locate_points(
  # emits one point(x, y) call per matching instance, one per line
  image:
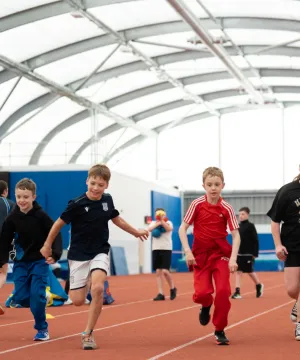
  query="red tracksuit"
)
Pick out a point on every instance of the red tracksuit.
point(212, 252)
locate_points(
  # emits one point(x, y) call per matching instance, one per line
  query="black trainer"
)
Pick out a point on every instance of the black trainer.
point(159, 297)
point(173, 293)
point(221, 338)
point(259, 290)
point(204, 315)
point(237, 294)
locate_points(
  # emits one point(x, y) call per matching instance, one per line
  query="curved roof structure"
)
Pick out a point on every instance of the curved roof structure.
point(75, 72)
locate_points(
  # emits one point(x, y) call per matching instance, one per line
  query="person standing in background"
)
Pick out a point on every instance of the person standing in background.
point(162, 247)
point(6, 206)
point(248, 251)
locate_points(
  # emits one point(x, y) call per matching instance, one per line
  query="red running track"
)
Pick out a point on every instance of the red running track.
point(135, 327)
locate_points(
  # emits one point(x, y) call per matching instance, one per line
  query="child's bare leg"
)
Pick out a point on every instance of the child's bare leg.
point(78, 296)
point(292, 277)
point(238, 279)
point(168, 277)
point(159, 279)
point(254, 278)
point(3, 275)
point(97, 290)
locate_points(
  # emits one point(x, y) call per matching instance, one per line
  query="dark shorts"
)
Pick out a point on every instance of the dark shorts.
point(245, 263)
point(161, 259)
point(293, 259)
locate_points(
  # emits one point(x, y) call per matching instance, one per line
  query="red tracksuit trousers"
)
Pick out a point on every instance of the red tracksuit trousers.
point(213, 266)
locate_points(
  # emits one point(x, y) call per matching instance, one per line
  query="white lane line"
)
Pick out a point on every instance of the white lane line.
point(99, 329)
point(111, 307)
point(211, 334)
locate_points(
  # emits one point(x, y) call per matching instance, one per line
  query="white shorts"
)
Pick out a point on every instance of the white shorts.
point(80, 271)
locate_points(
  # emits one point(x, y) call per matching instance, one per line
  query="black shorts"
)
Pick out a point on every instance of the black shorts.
point(161, 259)
point(245, 263)
point(292, 259)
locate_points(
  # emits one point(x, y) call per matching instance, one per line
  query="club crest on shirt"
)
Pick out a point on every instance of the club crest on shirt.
point(105, 206)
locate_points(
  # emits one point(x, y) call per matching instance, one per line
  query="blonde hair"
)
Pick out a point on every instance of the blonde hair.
point(212, 171)
point(26, 184)
point(100, 170)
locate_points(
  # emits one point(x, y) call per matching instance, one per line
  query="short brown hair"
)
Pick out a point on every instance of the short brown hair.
point(212, 171)
point(100, 170)
point(26, 184)
point(246, 209)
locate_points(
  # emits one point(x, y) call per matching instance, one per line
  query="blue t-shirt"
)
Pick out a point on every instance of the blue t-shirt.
point(89, 226)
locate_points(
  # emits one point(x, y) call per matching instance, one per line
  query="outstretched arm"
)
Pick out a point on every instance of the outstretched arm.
point(6, 239)
point(122, 224)
point(57, 244)
point(46, 250)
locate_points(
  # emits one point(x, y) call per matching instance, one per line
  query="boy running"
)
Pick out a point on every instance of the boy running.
point(89, 215)
point(28, 226)
point(211, 257)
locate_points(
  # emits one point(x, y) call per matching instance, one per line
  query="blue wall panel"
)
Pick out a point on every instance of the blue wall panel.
point(172, 205)
point(54, 190)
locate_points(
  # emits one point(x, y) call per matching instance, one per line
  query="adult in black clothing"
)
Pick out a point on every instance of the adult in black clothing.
point(285, 210)
point(6, 206)
point(248, 251)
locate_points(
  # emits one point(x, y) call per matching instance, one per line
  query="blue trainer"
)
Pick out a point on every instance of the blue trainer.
point(42, 335)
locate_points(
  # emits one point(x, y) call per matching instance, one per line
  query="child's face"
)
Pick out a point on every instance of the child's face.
point(213, 186)
point(243, 215)
point(24, 198)
point(96, 187)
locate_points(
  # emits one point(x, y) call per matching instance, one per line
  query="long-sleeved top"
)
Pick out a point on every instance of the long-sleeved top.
point(249, 239)
point(27, 232)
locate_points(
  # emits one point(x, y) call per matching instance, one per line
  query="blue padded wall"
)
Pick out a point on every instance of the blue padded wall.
point(54, 190)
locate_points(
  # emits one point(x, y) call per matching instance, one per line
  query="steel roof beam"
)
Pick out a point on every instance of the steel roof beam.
point(22, 70)
point(218, 50)
point(150, 63)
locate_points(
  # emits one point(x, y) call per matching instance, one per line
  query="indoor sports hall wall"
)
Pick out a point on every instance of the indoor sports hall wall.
point(132, 197)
